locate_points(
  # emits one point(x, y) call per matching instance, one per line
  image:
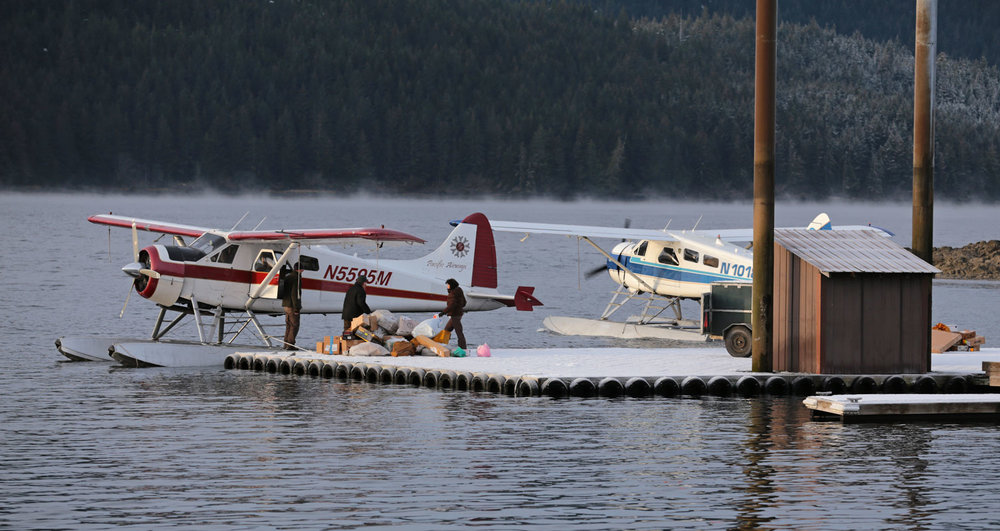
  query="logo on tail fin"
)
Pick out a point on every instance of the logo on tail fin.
point(460, 246)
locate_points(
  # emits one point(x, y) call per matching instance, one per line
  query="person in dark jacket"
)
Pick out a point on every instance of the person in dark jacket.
point(354, 302)
point(455, 310)
point(291, 301)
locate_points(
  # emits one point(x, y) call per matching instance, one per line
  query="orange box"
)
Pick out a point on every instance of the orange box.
point(403, 348)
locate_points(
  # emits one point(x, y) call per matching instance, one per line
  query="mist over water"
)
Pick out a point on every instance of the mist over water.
point(91, 445)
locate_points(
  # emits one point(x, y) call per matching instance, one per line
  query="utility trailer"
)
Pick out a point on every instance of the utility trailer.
point(726, 315)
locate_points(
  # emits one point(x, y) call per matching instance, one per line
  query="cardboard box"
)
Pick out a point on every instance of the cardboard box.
point(942, 341)
point(323, 347)
point(367, 335)
point(438, 348)
point(344, 345)
point(403, 348)
point(368, 321)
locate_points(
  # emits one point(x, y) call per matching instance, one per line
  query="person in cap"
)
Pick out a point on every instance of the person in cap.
point(455, 310)
point(354, 302)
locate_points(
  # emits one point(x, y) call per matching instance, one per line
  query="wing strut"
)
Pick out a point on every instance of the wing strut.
point(270, 274)
point(197, 319)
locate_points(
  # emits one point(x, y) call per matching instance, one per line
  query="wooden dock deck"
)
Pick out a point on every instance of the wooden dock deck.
point(862, 408)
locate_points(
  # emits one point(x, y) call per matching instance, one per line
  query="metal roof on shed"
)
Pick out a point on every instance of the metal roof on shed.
point(850, 251)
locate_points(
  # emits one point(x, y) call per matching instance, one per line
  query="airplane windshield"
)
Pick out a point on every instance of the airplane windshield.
point(207, 243)
point(226, 255)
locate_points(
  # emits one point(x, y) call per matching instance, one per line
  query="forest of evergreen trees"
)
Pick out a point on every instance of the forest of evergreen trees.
point(545, 98)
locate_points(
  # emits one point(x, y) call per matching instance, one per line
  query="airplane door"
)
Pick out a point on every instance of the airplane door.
point(261, 266)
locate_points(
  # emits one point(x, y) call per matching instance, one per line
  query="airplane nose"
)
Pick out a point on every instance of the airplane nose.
point(133, 269)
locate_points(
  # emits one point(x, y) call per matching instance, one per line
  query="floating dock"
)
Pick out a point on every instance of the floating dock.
point(609, 373)
point(861, 408)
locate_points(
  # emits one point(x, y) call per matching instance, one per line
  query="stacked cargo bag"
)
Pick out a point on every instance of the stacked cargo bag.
point(345, 343)
point(405, 326)
point(387, 321)
point(424, 351)
point(369, 349)
point(430, 327)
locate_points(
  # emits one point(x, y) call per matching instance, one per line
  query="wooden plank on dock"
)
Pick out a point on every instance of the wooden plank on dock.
point(942, 340)
point(992, 370)
point(904, 407)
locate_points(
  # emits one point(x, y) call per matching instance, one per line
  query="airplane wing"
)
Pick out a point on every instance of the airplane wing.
point(310, 236)
point(579, 230)
point(148, 225)
point(746, 235)
point(327, 236)
point(733, 235)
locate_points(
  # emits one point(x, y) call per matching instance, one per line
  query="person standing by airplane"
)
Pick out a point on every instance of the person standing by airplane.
point(291, 301)
point(455, 309)
point(354, 302)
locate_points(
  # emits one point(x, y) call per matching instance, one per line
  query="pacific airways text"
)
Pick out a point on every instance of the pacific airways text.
point(441, 264)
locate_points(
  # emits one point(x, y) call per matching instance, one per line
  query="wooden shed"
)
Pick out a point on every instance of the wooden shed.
point(849, 302)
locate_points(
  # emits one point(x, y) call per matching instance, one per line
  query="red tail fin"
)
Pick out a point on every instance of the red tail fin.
point(484, 268)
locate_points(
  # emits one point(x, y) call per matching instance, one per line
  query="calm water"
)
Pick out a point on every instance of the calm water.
point(89, 445)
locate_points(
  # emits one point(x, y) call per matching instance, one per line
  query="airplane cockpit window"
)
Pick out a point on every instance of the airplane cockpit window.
point(641, 250)
point(265, 261)
point(309, 263)
point(667, 256)
point(710, 261)
point(691, 256)
point(206, 243)
point(226, 255)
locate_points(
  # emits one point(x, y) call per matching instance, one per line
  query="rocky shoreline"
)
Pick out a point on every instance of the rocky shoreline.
point(976, 261)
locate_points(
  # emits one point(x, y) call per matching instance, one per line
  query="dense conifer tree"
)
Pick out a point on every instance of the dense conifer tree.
point(555, 98)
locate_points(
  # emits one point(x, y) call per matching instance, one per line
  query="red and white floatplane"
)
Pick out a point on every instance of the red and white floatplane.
point(225, 280)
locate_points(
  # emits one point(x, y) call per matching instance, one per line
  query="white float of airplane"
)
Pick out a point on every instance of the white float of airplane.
point(222, 274)
point(660, 268)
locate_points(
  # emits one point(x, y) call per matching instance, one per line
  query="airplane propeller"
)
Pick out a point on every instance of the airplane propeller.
point(600, 269)
point(139, 270)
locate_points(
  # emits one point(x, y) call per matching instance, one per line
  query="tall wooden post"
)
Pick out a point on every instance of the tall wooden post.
point(923, 129)
point(924, 53)
point(763, 186)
